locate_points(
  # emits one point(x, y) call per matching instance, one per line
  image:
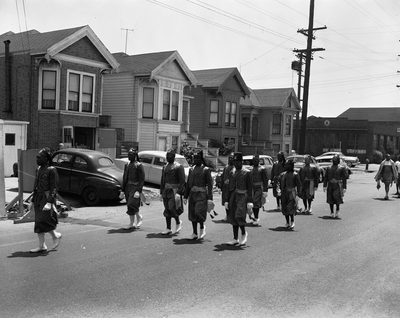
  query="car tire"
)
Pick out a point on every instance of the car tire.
point(90, 196)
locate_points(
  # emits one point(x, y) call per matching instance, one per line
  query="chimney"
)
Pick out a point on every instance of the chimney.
point(7, 70)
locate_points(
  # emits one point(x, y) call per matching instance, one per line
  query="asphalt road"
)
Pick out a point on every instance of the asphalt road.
point(324, 268)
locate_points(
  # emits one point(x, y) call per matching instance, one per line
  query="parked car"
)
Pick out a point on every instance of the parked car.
point(153, 161)
point(351, 161)
point(326, 161)
point(299, 163)
point(265, 161)
point(88, 173)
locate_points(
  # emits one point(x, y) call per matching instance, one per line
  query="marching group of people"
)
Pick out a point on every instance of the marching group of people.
point(243, 192)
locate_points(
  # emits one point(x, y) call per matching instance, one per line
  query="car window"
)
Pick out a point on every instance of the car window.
point(159, 161)
point(262, 161)
point(248, 162)
point(145, 158)
point(183, 162)
point(62, 159)
point(105, 162)
point(80, 163)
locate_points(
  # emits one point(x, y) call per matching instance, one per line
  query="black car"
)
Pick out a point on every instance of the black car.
point(88, 173)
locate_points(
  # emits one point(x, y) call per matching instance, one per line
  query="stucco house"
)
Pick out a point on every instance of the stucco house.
point(145, 99)
point(267, 120)
point(53, 81)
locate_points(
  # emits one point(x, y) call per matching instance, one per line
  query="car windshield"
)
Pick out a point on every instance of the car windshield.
point(297, 159)
point(105, 162)
point(183, 162)
point(248, 162)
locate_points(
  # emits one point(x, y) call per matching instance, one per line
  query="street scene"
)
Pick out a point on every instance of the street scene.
point(199, 158)
point(347, 267)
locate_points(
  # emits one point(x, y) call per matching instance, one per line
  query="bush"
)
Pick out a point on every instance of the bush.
point(377, 156)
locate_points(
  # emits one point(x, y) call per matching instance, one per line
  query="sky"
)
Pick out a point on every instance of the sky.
point(359, 66)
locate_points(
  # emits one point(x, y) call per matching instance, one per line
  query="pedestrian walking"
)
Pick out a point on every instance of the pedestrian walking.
point(171, 190)
point(397, 164)
point(225, 178)
point(277, 168)
point(290, 186)
point(198, 192)
point(309, 177)
point(259, 176)
point(335, 185)
point(43, 201)
point(387, 173)
point(132, 186)
point(240, 200)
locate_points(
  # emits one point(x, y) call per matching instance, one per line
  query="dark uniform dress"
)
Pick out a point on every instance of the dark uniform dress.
point(335, 181)
point(290, 185)
point(46, 184)
point(133, 180)
point(276, 171)
point(309, 181)
point(225, 176)
point(259, 176)
point(172, 183)
point(198, 191)
point(240, 193)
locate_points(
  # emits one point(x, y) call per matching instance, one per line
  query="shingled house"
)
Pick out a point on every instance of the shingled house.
point(53, 81)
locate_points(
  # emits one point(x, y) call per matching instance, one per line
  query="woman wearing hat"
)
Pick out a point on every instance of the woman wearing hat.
point(44, 196)
point(259, 176)
point(290, 185)
point(199, 192)
point(309, 181)
point(225, 177)
point(277, 169)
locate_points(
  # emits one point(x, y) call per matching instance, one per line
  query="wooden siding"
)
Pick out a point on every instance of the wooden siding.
point(173, 71)
point(118, 102)
point(233, 85)
point(198, 111)
point(147, 137)
point(168, 127)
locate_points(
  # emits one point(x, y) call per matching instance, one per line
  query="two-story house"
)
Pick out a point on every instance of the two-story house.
point(267, 118)
point(53, 81)
point(214, 110)
point(145, 99)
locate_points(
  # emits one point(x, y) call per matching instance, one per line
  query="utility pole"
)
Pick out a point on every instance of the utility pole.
point(308, 54)
point(126, 37)
point(298, 67)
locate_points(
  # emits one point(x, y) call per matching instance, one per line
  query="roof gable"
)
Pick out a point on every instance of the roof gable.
point(220, 78)
point(373, 113)
point(54, 42)
point(277, 97)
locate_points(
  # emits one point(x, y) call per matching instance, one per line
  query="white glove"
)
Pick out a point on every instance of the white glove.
point(136, 195)
point(324, 189)
point(184, 201)
point(265, 194)
point(249, 206)
point(226, 205)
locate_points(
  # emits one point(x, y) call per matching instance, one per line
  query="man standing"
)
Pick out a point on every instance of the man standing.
point(387, 173)
point(277, 169)
point(225, 177)
point(199, 192)
point(240, 200)
point(259, 176)
point(132, 186)
point(290, 185)
point(44, 197)
point(335, 185)
point(397, 164)
point(171, 190)
point(309, 183)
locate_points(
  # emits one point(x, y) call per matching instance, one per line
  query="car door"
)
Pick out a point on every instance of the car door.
point(63, 163)
point(156, 169)
point(79, 171)
point(147, 161)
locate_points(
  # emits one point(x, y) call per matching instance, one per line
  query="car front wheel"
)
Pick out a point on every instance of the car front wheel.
point(90, 196)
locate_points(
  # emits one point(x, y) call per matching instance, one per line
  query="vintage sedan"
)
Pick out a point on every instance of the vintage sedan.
point(153, 161)
point(326, 161)
point(88, 173)
point(299, 163)
point(350, 160)
point(265, 161)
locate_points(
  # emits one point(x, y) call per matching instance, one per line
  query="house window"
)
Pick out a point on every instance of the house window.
point(174, 140)
point(148, 102)
point(80, 92)
point(288, 125)
point(170, 105)
point(233, 114)
point(230, 114)
point(49, 79)
point(214, 110)
point(9, 140)
point(276, 124)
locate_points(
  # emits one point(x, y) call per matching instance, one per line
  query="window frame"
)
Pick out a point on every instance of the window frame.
point(148, 103)
point(81, 92)
point(215, 113)
point(56, 69)
point(276, 126)
point(288, 125)
point(170, 108)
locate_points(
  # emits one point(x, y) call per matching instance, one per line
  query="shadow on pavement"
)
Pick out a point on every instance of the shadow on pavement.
point(281, 229)
point(187, 241)
point(328, 217)
point(159, 235)
point(226, 247)
point(29, 254)
point(122, 231)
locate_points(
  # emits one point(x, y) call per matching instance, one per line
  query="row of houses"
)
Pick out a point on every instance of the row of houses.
point(69, 88)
